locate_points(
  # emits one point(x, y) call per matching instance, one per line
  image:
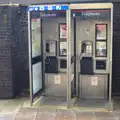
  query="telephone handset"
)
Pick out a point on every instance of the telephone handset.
point(83, 48)
point(47, 47)
point(50, 47)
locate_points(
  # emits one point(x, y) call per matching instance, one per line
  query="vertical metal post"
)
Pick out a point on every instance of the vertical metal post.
point(74, 38)
point(30, 61)
point(110, 61)
point(68, 21)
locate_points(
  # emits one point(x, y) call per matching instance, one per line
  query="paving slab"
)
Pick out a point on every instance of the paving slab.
point(106, 115)
point(46, 116)
point(7, 117)
point(59, 115)
point(51, 110)
point(10, 109)
point(109, 119)
point(26, 114)
point(86, 116)
point(62, 114)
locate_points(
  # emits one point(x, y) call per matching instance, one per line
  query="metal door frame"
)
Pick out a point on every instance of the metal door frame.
point(69, 68)
point(96, 6)
point(30, 61)
point(68, 23)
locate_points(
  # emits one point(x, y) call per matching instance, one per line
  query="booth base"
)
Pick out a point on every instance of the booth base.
point(93, 105)
point(51, 102)
point(54, 101)
point(77, 104)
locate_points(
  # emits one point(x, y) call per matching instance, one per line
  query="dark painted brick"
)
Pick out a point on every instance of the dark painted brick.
point(13, 52)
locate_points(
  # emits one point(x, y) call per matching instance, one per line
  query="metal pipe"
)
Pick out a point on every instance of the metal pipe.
point(110, 62)
point(30, 60)
point(68, 21)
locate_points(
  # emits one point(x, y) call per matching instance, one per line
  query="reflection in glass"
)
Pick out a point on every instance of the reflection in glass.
point(37, 77)
point(101, 49)
point(101, 32)
point(36, 42)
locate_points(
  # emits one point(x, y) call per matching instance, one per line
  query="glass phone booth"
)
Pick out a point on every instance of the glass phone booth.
point(93, 27)
point(70, 55)
point(48, 42)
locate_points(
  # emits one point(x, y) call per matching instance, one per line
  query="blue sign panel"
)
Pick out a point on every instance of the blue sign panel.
point(47, 7)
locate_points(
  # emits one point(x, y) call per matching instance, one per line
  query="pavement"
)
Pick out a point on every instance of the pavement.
point(18, 109)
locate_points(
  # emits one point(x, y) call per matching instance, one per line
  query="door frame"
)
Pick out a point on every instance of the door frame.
point(68, 19)
point(38, 93)
point(98, 6)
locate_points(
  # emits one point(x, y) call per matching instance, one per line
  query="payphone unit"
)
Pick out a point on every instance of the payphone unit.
point(51, 62)
point(87, 57)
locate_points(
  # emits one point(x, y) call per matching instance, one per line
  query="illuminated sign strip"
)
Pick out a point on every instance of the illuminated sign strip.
point(47, 7)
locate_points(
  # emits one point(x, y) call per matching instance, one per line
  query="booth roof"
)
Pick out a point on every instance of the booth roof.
point(50, 1)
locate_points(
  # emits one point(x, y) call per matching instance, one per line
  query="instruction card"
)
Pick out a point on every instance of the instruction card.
point(94, 81)
point(57, 79)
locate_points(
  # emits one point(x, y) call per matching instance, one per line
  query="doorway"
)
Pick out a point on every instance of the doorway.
point(48, 38)
point(92, 36)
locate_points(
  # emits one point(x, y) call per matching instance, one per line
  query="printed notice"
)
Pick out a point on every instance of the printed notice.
point(63, 48)
point(57, 79)
point(101, 49)
point(63, 32)
point(94, 81)
point(101, 31)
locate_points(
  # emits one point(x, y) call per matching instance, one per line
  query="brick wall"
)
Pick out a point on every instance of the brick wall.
point(13, 51)
point(116, 49)
point(20, 48)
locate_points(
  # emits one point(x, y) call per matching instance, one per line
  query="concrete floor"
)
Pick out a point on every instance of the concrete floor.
point(18, 109)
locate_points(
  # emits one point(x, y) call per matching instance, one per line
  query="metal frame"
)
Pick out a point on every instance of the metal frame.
point(110, 62)
point(69, 67)
point(68, 21)
point(30, 60)
point(99, 6)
